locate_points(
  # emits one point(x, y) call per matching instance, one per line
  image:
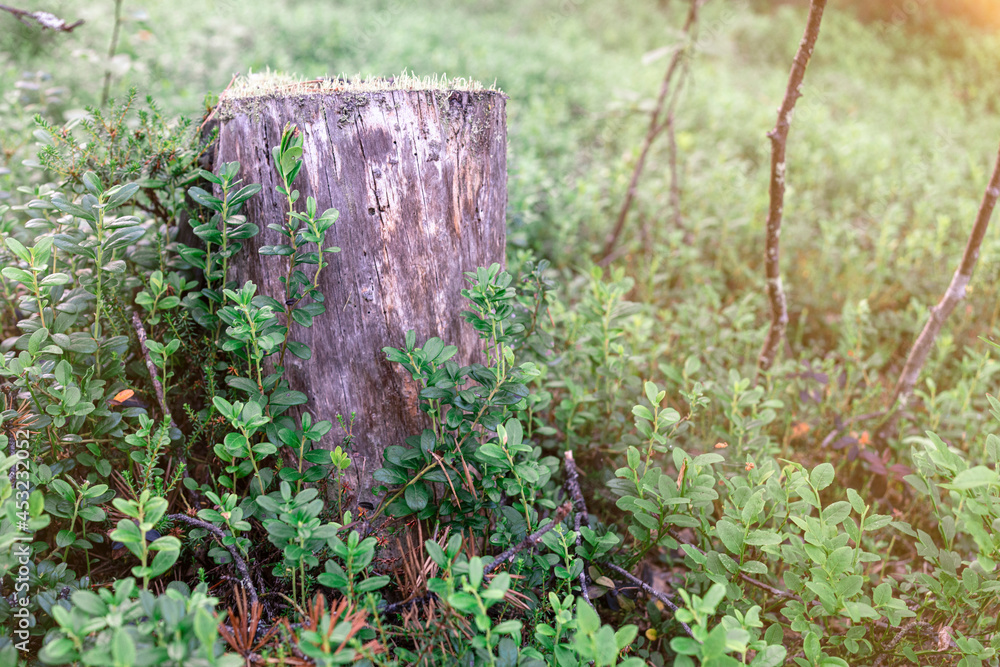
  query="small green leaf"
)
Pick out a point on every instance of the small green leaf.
point(300, 350)
point(642, 412)
point(730, 535)
point(120, 194)
point(973, 478)
point(759, 538)
point(18, 249)
point(417, 495)
point(14, 273)
point(822, 476)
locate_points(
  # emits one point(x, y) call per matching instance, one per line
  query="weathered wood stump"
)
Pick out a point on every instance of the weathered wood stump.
point(418, 173)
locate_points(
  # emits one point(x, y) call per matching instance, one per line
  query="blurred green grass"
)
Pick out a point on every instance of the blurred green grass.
point(888, 156)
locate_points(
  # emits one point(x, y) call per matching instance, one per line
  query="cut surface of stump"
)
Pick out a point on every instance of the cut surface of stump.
point(418, 173)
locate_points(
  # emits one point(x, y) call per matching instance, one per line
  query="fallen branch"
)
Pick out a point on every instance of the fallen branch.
point(406, 604)
point(530, 540)
point(154, 377)
point(112, 48)
point(659, 595)
point(237, 559)
point(777, 592)
point(45, 20)
point(580, 516)
point(939, 313)
point(656, 126)
point(926, 628)
point(779, 143)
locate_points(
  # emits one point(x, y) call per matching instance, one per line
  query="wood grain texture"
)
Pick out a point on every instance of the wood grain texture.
point(420, 180)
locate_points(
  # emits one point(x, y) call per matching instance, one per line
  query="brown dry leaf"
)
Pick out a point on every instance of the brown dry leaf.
point(680, 475)
point(944, 638)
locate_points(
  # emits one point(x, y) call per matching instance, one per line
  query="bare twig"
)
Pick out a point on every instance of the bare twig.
point(670, 125)
point(45, 20)
point(926, 628)
point(530, 540)
point(779, 142)
point(939, 313)
point(112, 48)
point(406, 604)
point(154, 377)
point(211, 115)
point(580, 516)
point(659, 595)
point(675, 179)
point(657, 124)
point(237, 558)
point(776, 592)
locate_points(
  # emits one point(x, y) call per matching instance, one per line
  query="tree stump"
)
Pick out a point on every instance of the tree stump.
point(418, 172)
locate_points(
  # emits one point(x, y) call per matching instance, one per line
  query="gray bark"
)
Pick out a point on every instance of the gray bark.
point(419, 178)
point(956, 292)
point(779, 144)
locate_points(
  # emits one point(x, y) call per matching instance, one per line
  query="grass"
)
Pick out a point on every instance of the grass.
point(887, 158)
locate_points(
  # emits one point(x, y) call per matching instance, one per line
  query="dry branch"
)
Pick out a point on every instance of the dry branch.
point(154, 377)
point(657, 124)
point(237, 559)
point(779, 143)
point(955, 293)
point(530, 540)
point(112, 48)
point(580, 516)
point(659, 595)
point(776, 592)
point(883, 653)
point(45, 20)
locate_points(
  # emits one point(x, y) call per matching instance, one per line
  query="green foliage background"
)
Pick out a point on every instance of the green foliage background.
point(639, 369)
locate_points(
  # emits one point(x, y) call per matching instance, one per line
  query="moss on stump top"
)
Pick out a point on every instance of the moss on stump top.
point(246, 93)
point(274, 84)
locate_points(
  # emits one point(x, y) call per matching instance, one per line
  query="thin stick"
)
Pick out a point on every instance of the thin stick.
point(675, 179)
point(776, 592)
point(580, 516)
point(670, 126)
point(779, 142)
point(659, 595)
point(955, 293)
point(211, 115)
point(656, 126)
point(112, 48)
point(237, 559)
point(909, 627)
point(154, 377)
point(530, 540)
point(406, 604)
point(45, 20)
